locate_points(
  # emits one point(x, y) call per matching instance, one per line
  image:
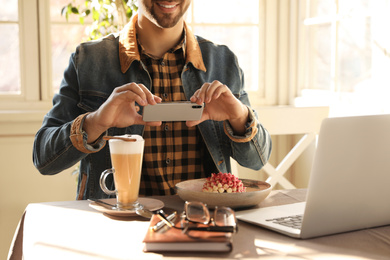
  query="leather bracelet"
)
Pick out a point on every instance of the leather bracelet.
point(78, 136)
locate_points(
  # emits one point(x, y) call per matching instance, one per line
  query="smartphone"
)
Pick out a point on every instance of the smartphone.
point(173, 111)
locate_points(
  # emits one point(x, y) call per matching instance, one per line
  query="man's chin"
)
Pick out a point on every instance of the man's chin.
point(167, 23)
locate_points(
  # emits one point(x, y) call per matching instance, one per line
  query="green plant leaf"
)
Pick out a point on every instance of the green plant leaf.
point(95, 14)
point(104, 15)
point(75, 10)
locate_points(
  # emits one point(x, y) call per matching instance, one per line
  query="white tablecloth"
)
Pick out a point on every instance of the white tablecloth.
point(73, 230)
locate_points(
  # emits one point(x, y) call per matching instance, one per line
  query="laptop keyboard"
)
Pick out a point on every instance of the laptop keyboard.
point(290, 221)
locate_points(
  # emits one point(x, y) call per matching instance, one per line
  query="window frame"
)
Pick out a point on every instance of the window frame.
point(29, 60)
point(306, 21)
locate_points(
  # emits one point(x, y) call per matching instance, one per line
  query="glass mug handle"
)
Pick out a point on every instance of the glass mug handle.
point(103, 182)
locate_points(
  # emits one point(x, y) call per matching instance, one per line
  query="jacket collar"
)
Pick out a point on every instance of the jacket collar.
point(129, 51)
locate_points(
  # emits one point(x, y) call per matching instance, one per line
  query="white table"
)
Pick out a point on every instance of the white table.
point(73, 230)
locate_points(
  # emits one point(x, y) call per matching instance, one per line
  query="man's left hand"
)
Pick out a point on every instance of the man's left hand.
point(220, 105)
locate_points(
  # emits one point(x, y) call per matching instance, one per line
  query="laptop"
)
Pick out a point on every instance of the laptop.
point(349, 186)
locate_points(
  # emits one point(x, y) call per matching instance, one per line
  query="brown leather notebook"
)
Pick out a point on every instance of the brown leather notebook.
point(172, 239)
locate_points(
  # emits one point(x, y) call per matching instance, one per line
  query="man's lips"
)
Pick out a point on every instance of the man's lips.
point(167, 6)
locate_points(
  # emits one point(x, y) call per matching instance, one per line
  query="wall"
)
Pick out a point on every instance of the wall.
point(20, 182)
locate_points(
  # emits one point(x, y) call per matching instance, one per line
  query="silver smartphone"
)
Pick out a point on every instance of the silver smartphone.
point(173, 111)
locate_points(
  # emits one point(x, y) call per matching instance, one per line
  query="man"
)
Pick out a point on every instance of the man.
point(154, 59)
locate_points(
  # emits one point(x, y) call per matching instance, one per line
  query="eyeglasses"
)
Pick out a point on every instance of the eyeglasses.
point(223, 220)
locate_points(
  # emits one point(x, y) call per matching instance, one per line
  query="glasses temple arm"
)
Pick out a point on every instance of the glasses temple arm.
point(215, 228)
point(163, 218)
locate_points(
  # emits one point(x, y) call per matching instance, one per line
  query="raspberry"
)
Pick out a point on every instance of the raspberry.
point(223, 182)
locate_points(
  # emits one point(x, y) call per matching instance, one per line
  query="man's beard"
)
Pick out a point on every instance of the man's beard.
point(166, 20)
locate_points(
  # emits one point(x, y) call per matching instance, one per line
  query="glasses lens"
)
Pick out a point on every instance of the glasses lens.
point(197, 212)
point(224, 216)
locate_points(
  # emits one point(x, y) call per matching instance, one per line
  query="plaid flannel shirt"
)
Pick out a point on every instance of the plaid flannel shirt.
point(173, 150)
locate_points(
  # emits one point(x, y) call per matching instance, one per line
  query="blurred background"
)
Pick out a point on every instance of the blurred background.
point(297, 55)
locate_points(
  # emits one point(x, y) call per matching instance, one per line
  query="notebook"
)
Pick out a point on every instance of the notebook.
point(349, 186)
point(174, 240)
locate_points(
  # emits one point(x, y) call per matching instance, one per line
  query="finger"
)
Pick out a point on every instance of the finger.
point(201, 93)
point(132, 92)
point(157, 99)
point(150, 98)
point(197, 122)
point(133, 87)
point(219, 91)
point(214, 91)
point(195, 98)
point(139, 93)
point(193, 123)
point(157, 123)
point(138, 120)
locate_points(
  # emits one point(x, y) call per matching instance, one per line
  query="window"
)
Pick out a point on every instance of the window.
point(239, 28)
point(307, 52)
point(346, 61)
point(64, 38)
point(19, 89)
point(239, 32)
point(38, 64)
point(35, 50)
point(9, 48)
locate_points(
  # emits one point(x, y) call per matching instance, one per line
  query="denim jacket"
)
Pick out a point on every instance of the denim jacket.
point(94, 71)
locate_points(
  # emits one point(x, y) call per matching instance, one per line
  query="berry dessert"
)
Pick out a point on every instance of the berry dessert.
point(223, 183)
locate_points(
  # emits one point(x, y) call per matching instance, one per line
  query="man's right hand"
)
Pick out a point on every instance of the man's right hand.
point(120, 110)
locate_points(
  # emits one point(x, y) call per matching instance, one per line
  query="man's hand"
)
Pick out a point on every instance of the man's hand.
point(120, 110)
point(220, 104)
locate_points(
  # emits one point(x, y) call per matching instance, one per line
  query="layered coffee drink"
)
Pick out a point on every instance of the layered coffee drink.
point(126, 157)
point(127, 168)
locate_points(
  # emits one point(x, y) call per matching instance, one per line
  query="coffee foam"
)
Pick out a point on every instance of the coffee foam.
point(124, 147)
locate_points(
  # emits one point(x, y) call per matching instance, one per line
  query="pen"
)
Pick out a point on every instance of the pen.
point(161, 223)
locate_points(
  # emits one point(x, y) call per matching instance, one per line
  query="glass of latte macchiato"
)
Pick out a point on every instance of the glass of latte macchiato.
point(126, 158)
